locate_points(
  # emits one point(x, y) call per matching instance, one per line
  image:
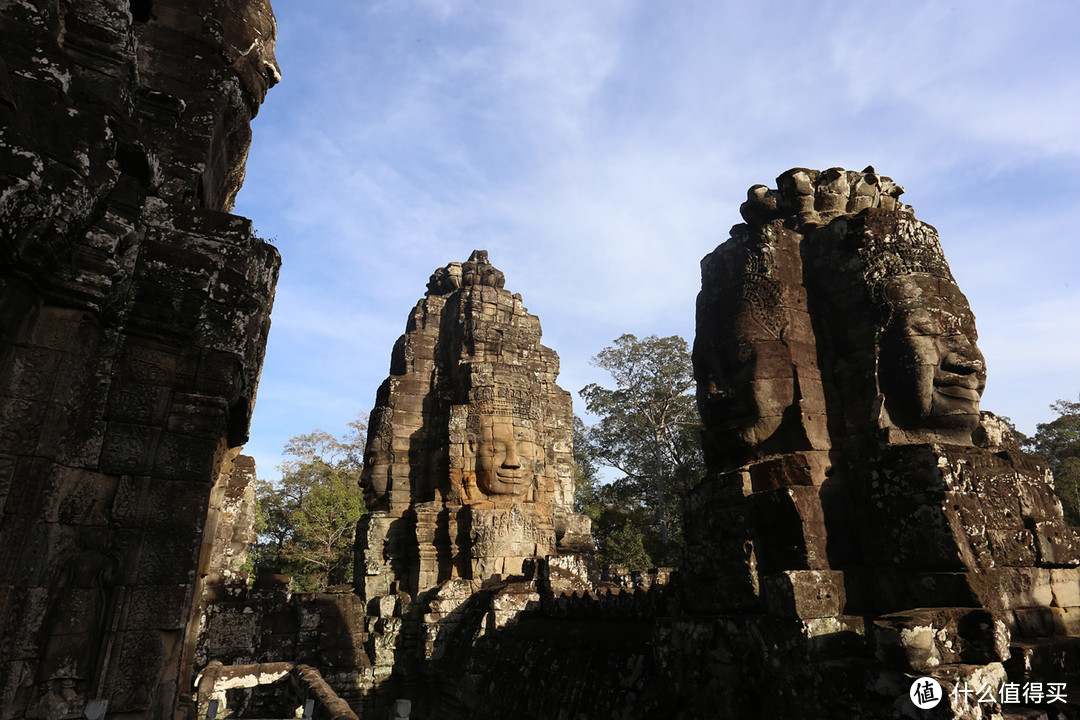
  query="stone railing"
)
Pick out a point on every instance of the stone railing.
point(309, 688)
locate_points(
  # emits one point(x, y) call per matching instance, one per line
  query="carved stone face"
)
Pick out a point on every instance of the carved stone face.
point(929, 368)
point(506, 455)
point(743, 394)
point(743, 359)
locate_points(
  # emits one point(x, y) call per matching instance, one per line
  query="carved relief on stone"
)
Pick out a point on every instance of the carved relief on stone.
point(928, 373)
point(832, 257)
point(930, 370)
point(503, 452)
point(134, 312)
point(75, 626)
point(469, 422)
point(755, 353)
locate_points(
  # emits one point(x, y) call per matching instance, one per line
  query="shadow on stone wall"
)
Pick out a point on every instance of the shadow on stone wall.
point(133, 319)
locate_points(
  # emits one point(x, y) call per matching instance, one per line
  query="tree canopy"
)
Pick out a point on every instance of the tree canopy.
point(307, 520)
point(1059, 442)
point(648, 430)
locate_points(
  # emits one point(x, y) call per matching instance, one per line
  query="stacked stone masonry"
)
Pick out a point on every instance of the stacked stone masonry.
point(134, 311)
point(861, 515)
point(468, 480)
point(469, 386)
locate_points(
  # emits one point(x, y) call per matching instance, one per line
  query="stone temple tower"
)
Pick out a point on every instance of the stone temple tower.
point(860, 512)
point(469, 468)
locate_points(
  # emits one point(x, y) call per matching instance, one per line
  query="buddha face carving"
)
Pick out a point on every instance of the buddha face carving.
point(930, 370)
point(735, 395)
point(505, 455)
point(503, 450)
point(750, 345)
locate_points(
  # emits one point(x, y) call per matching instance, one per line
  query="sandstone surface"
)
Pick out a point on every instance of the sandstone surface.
point(863, 522)
point(134, 311)
point(468, 481)
point(469, 468)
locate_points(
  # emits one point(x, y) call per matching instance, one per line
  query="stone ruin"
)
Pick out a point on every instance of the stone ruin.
point(469, 467)
point(468, 479)
point(862, 522)
point(134, 311)
point(468, 473)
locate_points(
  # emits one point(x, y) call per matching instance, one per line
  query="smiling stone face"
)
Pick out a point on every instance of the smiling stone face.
point(830, 315)
point(930, 369)
point(506, 455)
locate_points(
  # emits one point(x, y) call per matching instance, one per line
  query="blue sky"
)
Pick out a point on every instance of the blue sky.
point(599, 149)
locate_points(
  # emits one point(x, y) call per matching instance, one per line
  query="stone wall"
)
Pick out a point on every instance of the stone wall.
point(133, 318)
point(545, 649)
point(230, 530)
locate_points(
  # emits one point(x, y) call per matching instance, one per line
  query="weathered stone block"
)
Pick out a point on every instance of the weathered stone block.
point(136, 665)
point(1065, 585)
point(804, 594)
point(1034, 622)
point(182, 457)
point(32, 372)
point(81, 446)
point(916, 533)
point(1010, 588)
point(926, 638)
point(21, 423)
point(1066, 621)
point(230, 633)
point(781, 472)
point(128, 449)
point(138, 403)
point(1057, 543)
point(160, 606)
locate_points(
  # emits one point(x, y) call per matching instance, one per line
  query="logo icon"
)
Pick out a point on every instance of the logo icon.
point(925, 693)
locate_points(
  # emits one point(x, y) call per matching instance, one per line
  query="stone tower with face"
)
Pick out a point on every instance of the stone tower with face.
point(830, 315)
point(469, 465)
point(854, 486)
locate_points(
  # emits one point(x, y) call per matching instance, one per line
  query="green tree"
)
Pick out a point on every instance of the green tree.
point(649, 431)
point(1059, 442)
point(625, 546)
point(617, 520)
point(306, 521)
point(625, 530)
point(586, 474)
